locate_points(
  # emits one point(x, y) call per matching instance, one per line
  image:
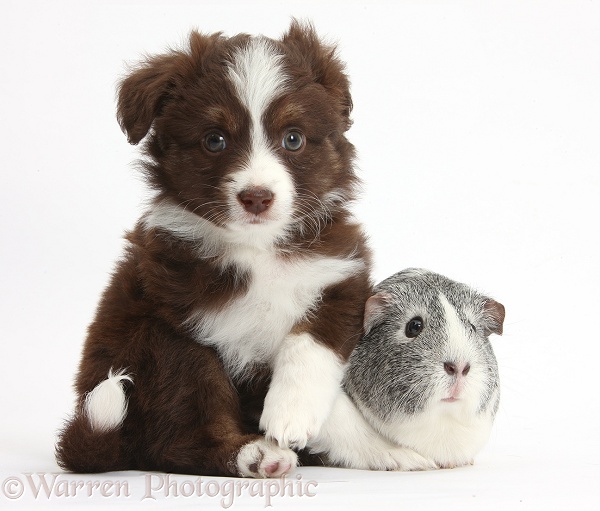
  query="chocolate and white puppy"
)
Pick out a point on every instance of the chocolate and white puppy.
point(246, 263)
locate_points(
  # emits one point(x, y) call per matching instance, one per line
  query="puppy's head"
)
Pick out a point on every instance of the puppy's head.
point(245, 132)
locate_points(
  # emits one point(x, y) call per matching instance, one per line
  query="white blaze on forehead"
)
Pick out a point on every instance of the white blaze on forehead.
point(257, 74)
point(458, 348)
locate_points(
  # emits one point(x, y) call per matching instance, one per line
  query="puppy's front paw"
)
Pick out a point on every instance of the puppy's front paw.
point(305, 383)
point(291, 423)
point(263, 458)
point(403, 458)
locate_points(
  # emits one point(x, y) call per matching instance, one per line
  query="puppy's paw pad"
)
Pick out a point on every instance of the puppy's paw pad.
point(278, 469)
point(263, 458)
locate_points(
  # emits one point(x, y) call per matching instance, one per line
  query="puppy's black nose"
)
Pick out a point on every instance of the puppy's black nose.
point(256, 200)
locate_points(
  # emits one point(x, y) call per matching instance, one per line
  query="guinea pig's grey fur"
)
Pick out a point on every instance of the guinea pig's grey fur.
point(424, 378)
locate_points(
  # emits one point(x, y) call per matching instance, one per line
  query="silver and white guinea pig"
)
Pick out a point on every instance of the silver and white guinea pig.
point(422, 386)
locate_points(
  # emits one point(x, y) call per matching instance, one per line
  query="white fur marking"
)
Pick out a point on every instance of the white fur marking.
point(450, 434)
point(263, 170)
point(281, 292)
point(462, 351)
point(106, 405)
point(459, 349)
point(350, 441)
point(211, 240)
point(306, 379)
point(257, 74)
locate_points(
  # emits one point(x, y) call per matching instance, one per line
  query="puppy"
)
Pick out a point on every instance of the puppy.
point(246, 272)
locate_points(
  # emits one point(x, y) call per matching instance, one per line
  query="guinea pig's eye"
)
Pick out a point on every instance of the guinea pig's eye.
point(293, 141)
point(215, 142)
point(414, 327)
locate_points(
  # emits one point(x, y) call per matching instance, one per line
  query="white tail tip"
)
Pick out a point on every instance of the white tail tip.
point(106, 405)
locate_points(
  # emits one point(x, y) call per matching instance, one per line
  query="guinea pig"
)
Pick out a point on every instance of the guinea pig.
point(422, 388)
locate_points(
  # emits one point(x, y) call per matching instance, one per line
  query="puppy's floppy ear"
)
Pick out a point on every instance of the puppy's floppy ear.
point(375, 310)
point(142, 94)
point(327, 68)
point(493, 315)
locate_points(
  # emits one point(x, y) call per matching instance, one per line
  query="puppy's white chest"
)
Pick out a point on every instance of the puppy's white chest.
point(280, 293)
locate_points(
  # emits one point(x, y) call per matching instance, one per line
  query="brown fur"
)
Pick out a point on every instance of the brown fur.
point(184, 412)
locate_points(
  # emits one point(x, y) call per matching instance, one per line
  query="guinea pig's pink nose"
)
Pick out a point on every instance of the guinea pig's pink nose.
point(451, 368)
point(256, 200)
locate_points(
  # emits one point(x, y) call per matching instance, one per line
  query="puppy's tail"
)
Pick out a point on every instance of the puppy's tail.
point(91, 441)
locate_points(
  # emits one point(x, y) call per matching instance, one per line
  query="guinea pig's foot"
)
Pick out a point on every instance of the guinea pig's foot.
point(456, 464)
point(406, 459)
point(263, 458)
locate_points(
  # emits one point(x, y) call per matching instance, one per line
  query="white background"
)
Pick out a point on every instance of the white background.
point(478, 130)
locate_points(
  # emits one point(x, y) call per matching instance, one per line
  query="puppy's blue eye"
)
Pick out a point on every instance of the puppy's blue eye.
point(215, 142)
point(414, 327)
point(293, 141)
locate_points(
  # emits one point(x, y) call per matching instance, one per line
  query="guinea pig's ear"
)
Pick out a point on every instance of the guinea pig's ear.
point(494, 313)
point(375, 310)
point(326, 67)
